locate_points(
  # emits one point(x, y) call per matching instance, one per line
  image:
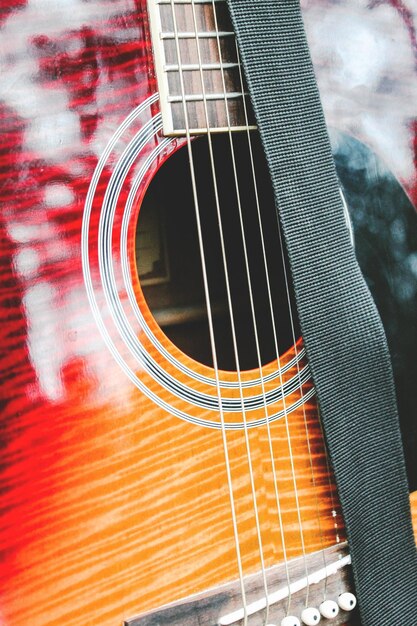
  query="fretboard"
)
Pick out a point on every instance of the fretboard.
point(197, 65)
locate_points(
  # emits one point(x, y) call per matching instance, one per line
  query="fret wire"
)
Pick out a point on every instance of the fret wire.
point(208, 96)
point(200, 35)
point(195, 67)
point(215, 130)
point(189, 2)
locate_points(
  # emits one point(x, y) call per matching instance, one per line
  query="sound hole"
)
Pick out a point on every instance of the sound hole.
point(169, 261)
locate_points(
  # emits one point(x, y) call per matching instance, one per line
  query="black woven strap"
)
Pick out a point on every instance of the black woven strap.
point(342, 331)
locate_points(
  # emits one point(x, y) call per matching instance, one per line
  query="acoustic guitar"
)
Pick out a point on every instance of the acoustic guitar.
point(163, 460)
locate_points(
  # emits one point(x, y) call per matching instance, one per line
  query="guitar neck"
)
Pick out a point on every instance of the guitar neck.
point(198, 68)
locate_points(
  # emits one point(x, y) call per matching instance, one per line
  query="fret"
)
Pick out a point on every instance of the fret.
point(201, 80)
point(200, 35)
point(195, 67)
point(199, 97)
point(215, 130)
point(189, 2)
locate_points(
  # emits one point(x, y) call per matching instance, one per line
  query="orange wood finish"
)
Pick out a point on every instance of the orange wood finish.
point(132, 510)
point(113, 506)
point(413, 500)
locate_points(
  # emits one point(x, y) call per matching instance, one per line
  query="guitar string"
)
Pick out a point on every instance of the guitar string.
point(249, 283)
point(235, 176)
point(254, 320)
point(274, 330)
point(336, 512)
point(204, 98)
point(210, 319)
point(231, 311)
point(305, 420)
point(276, 341)
point(329, 471)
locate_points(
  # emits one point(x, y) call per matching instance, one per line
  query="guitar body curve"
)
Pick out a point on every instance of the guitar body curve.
point(115, 484)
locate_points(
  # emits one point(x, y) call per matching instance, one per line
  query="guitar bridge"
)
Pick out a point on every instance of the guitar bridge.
point(322, 574)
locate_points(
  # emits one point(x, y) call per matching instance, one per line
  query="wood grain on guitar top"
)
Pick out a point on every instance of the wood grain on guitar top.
point(111, 505)
point(413, 500)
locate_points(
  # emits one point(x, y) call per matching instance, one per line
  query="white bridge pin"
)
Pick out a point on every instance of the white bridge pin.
point(290, 621)
point(310, 616)
point(347, 601)
point(329, 609)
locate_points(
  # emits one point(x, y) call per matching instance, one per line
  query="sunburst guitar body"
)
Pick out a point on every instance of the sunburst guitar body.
point(163, 460)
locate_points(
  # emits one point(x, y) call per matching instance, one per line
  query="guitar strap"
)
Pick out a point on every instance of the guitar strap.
point(342, 331)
